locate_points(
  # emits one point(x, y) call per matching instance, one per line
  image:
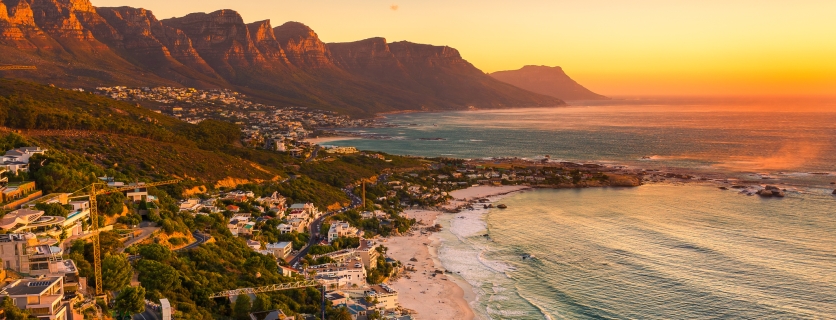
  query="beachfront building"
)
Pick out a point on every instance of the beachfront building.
point(339, 150)
point(386, 297)
point(367, 252)
point(41, 297)
point(350, 274)
point(380, 214)
point(342, 229)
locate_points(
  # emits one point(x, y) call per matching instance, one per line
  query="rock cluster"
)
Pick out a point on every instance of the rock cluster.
point(771, 191)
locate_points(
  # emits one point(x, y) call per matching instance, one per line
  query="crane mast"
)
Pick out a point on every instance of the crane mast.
point(94, 216)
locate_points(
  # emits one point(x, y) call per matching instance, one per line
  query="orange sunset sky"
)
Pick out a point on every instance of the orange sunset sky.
point(616, 48)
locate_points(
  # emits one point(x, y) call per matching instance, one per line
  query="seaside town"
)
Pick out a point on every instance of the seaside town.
point(364, 253)
point(262, 125)
point(118, 247)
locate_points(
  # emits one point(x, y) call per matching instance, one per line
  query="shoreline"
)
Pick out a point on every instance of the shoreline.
point(457, 297)
point(330, 139)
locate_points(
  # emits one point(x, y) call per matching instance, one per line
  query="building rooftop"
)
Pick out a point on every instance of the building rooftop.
point(34, 286)
point(267, 315)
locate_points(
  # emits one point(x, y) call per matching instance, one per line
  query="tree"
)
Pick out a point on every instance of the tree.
point(342, 314)
point(53, 209)
point(375, 315)
point(131, 300)
point(12, 312)
point(262, 303)
point(155, 252)
point(157, 276)
point(111, 204)
point(241, 309)
point(116, 272)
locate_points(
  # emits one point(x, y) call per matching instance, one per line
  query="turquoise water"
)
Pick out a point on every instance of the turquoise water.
point(735, 141)
point(653, 252)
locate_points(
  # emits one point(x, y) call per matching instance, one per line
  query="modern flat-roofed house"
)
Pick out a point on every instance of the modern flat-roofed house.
point(280, 250)
point(349, 274)
point(41, 297)
point(16, 160)
point(387, 298)
point(137, 194)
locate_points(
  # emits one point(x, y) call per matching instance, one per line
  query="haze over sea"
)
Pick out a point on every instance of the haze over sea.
point(659, 251)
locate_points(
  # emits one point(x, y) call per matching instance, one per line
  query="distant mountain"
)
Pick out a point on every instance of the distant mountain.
point(75, 44)
point(551, 81)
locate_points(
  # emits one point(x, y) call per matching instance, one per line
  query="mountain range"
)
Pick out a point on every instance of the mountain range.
point(74, 44)
point(550, 81)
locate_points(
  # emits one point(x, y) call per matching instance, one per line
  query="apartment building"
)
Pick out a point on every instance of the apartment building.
point(41, 297)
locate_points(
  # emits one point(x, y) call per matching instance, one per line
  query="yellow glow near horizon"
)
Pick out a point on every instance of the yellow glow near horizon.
point(643, 47)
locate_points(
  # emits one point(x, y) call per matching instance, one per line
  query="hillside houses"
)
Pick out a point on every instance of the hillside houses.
point(17, 160)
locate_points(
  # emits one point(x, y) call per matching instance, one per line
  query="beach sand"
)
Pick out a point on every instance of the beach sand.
point(323, 140)
point(432, 297)
point(444, 296)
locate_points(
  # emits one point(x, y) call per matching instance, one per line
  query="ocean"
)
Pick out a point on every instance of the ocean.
point(659, 251)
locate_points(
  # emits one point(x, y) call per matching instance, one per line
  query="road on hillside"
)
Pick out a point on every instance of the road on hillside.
point(313, 153)
point(356, 202)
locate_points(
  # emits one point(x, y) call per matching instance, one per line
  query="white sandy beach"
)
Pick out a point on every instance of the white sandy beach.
point(323, 140)
point(443, 296)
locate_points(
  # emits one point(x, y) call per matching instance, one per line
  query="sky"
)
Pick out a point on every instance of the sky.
point(615, 48)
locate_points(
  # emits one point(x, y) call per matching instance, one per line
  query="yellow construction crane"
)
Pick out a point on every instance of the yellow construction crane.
point(363, 182)
point(17, 67)
point(97, 189)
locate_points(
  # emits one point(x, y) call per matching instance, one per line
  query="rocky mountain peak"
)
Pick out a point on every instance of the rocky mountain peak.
point(221, 38)
point(302, 45)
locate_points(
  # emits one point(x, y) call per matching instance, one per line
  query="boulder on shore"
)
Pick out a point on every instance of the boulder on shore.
point(834, 191)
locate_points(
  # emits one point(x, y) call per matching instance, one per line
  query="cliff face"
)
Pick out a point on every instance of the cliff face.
point(302, 46)
point(550, 81)
point(15, 20)
point(147, 40)
point(75, 44)
point(221, 38)
point(264, 39)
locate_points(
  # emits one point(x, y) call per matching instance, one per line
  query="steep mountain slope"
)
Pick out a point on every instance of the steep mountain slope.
point(435, 71)
point(550, 81)
point(74, 44)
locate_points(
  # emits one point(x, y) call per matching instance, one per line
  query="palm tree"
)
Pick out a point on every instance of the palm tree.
point(342, 314)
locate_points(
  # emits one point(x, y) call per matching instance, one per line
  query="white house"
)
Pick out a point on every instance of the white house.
point(342, 229)
point(16, 160)
point(280, 250)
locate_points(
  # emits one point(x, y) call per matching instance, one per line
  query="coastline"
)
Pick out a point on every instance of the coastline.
point(456, 298)
point(330, 139)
